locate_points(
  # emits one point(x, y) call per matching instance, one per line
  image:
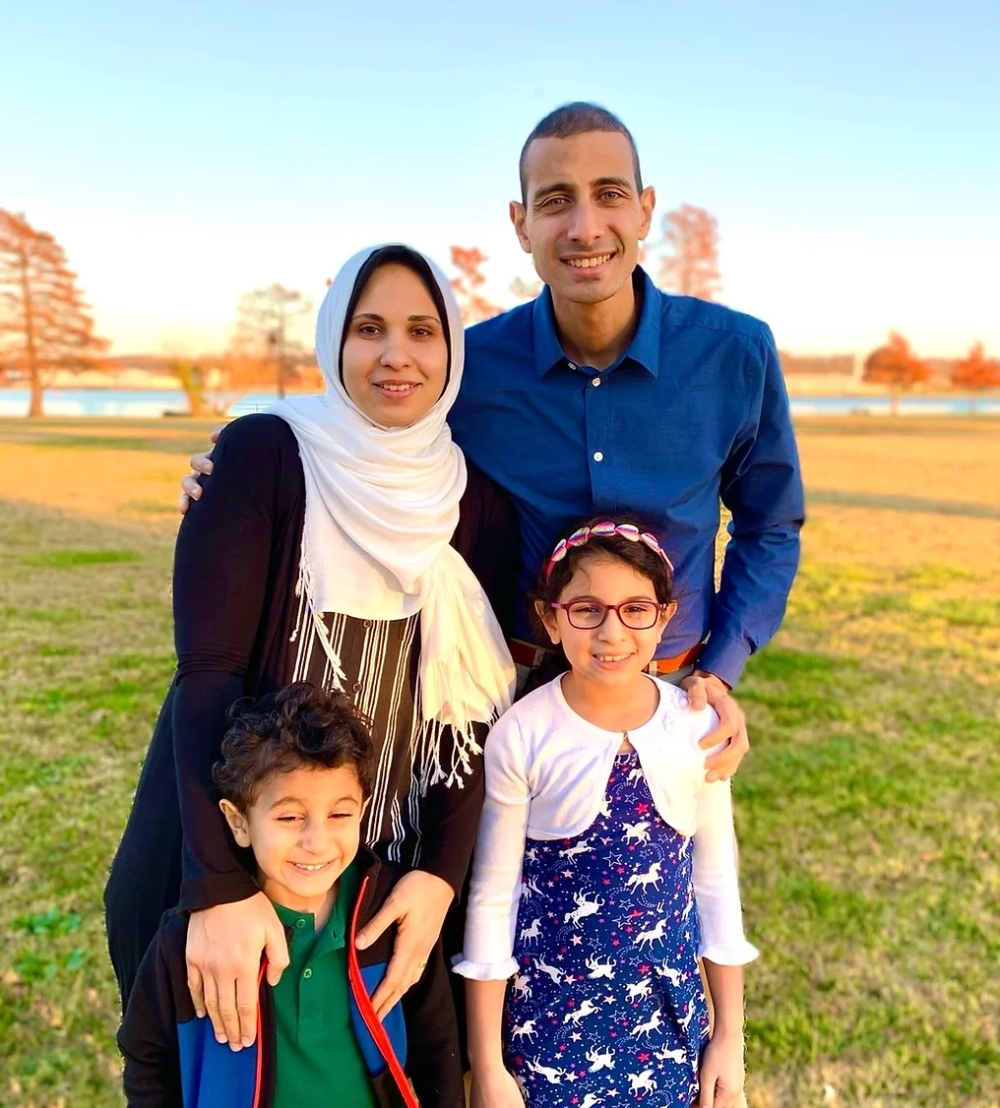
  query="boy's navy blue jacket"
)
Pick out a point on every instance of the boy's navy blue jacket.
point(172, 1058)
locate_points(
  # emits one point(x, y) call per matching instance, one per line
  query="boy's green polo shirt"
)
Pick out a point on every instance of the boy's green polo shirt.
point(317, 1059)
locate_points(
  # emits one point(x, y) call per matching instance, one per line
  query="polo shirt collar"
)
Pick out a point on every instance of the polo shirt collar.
point(644, 349)
point(334, 933)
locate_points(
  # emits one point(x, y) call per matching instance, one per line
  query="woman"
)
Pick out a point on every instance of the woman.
point(320, 551)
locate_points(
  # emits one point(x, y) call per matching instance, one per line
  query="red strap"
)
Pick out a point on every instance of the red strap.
point(368, 1014)
point(260, 1032)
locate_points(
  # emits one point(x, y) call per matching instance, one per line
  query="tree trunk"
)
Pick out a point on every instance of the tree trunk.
point(893, 401)
point(35, 410)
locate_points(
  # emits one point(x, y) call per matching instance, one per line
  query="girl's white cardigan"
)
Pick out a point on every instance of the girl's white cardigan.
point(546, 773)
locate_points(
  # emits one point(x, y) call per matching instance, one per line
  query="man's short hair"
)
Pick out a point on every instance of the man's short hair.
point(301, 726)
point(577, 119)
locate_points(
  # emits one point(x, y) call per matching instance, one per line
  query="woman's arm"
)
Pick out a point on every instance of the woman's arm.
point(224, 559)
point(221, 564)
point(449, 813)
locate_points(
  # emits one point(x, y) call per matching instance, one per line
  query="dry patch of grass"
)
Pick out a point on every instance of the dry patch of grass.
point(949, 460)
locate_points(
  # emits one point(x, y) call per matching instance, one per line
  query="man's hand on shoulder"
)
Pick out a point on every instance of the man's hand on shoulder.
point(703, 689)
point(200, 463)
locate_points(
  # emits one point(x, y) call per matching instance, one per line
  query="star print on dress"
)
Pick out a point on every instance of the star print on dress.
point(607, 1002)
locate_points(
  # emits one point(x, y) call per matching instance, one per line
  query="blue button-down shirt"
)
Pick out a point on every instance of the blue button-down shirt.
point(694, 412)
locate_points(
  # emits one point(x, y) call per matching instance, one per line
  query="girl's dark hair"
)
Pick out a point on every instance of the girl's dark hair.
point(302, 725)
point(398, 254)
point(637, 555)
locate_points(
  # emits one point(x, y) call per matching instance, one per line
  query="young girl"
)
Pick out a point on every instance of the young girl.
point(605, 864)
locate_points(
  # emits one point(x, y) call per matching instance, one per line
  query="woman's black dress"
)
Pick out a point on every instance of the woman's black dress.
point(241, 629)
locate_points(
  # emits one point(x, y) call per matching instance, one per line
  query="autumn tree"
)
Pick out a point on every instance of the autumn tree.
point(44, 323)
point(975, 372)
point(688, 252)
point(896, 366)
point(468, 284)
point(191, 374)
point(266, 336)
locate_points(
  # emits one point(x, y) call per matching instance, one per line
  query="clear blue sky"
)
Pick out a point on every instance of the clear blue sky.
point(183, 152)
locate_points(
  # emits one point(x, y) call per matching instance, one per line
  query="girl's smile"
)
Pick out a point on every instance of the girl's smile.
point(611, 655)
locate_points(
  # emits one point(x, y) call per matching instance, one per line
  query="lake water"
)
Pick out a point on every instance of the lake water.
point(153, 404)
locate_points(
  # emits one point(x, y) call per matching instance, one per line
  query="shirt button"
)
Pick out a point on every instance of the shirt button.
point(307, 973)
point(356, 686)
point(300, 923)
point(368, 624)
point(595, 382)
point(598, 456)
point(571, 366)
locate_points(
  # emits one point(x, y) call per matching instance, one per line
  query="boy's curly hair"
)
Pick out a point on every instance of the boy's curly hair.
point(302, 725)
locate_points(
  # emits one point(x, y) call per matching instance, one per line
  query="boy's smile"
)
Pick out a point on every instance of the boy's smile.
point(304, 828)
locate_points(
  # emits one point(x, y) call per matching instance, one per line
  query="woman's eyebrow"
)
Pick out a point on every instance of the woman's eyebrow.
point(410, 319)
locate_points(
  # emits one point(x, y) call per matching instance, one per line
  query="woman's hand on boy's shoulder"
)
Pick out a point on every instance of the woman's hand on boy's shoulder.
point(721, 1073)
point(417, 905)
point(706, 690)
point(224, 947)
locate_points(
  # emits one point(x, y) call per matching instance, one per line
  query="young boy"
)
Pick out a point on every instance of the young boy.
point(296, 773)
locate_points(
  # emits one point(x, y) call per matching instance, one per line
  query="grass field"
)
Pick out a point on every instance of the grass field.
point(867, 810)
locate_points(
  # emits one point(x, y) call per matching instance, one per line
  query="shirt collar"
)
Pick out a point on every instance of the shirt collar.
point(644, 349)
point(332, 936)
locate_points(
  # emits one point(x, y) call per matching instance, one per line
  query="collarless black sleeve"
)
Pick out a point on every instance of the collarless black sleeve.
point(230, 546)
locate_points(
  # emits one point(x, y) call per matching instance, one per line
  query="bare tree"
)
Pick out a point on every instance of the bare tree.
point(267, 323)
point(689, 252)
point(44, 322)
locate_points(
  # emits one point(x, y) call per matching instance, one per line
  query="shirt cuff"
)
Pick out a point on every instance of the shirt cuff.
point(735, 954)
point(725, 657)
point(484, 971)
point(201, 893)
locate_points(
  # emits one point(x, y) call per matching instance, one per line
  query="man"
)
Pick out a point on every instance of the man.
point(606, 394)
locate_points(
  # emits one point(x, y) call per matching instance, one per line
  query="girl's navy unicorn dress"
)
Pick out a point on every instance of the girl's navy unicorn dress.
point(607, 1006)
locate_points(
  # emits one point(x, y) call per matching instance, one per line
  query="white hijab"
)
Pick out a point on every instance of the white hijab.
point(381, 507)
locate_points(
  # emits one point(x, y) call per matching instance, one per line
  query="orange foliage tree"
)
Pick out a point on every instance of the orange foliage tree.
point(467, 285)
point(896, 366)
point(975, 372)
point(44, 322)
point(689, 252)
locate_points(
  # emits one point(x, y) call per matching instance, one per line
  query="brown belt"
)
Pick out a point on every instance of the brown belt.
point(529, 655)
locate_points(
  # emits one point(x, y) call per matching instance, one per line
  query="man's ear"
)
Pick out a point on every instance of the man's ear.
point(548, 617)
point(647, 201)
point(518, 214)
point(237, 822)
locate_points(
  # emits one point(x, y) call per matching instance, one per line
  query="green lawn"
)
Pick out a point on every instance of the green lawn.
point(867, 809)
